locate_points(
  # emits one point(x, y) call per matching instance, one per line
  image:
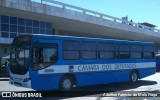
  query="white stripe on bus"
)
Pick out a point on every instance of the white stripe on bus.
point(95, 67)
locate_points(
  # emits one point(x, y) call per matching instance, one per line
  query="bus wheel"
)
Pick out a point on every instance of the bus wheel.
point(66, 83)
point(133, 77)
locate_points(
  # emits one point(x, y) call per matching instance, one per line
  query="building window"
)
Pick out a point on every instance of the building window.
point(48, 31)
point(21, 34)
point(5, 19)
point(13, 28)
point(28, 22)
point(42, 25)
point(21, 21)
point(35, 30)
point(4, 34)
point(13, 20)
point(35, 23)
point(13, 35)
point(5, 27)
point(29, 30)
point(48, 25)
point(21, 29)
point(42, 31)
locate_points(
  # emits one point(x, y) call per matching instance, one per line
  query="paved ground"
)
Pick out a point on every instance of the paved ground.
point(151, 84)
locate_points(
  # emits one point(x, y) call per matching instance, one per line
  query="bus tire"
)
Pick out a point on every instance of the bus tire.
point(66, 83)
point(133, 77)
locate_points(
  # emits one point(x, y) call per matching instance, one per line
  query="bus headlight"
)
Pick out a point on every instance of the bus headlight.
point(26, 79)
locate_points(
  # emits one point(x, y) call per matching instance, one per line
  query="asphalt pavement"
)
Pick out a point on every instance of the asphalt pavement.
point(146, 85)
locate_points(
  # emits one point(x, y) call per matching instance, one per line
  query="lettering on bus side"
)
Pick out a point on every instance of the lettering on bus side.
point(107, 67)
point(88, 67)
point(94, 67)
point(125, 66)
point(104, 67)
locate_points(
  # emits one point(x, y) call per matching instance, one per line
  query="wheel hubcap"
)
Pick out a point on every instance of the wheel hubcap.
point(67, 84)
point(134, 77)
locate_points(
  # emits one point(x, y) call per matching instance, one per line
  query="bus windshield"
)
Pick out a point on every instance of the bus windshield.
point(19, 59)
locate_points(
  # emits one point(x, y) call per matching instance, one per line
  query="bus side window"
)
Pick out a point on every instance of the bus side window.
point(71, 50)
point(123, 51)
point(106, 51)
point(136, 51)
point(44, 56)
point(148, 52)
point(88, 50)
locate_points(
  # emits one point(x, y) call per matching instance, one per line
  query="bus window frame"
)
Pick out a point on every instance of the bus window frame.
point(148, 51)
point(117, 51)
point(140, 51)
point(99, 51)
point(84, 50)
point(63, 50)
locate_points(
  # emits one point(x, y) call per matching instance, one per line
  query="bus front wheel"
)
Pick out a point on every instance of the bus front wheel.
point(66, 83)
point(133, 77)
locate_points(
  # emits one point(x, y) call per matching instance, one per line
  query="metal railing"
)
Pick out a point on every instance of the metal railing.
point(87, 12)
point(96, 14)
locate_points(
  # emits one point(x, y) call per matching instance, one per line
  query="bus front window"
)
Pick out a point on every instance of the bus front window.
point(19, 60)
point(44, 57)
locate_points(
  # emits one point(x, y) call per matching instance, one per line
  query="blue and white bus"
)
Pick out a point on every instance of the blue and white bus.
point(44, 62)
point(158, 62)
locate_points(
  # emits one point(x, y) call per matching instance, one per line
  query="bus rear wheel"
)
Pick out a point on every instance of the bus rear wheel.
point(66, 83)
point(133, 77)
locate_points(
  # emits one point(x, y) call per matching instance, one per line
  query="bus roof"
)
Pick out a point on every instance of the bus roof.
point(63, 37)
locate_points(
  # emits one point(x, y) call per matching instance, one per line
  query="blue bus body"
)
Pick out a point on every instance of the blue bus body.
point(158, 63)
point(89, 61)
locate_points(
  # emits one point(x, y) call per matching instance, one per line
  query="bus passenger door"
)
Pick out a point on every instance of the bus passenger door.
point(44, 56)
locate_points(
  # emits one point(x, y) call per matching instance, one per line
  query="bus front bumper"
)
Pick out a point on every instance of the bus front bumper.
point(26, 84)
